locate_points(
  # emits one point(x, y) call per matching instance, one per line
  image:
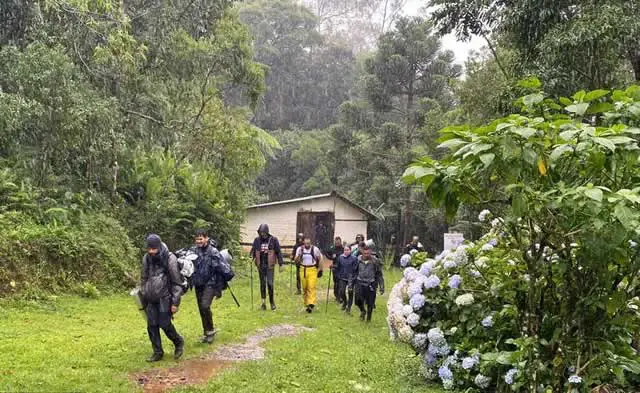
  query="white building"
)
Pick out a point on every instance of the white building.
point(322, 217)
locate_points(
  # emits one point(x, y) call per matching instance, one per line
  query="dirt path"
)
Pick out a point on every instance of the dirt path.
point(199, 370)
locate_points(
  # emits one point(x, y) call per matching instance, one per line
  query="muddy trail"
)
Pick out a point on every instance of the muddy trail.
point(198, 371)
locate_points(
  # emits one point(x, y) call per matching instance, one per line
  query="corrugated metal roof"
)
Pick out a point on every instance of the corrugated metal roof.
point(319, 196)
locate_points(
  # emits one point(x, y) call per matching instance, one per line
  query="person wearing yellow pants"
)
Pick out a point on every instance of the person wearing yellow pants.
point(308, 257)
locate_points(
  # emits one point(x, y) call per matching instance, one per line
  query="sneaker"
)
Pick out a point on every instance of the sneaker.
point(208, 337)
point(156, 357)
point(177, 354)
point(273, 307)
point(263, 307)
point(344, 307)
point(362, 315)
point(309, 310)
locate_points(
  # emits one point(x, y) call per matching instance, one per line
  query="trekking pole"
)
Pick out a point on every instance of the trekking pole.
point(251, 275)
point(326, 307)
point(235, 299)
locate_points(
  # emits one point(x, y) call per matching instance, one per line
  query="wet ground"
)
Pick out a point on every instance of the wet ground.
point(199, 370)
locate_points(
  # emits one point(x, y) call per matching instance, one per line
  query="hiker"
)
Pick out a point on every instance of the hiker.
point(414, 245)
point(309, 258)
point(345, 270)
point(161, 289)
point(209, 281)
point(356, 249)
point(265, 252)
point(334, 252)
point(359, 239)
point(368, 278)
point(299, 242)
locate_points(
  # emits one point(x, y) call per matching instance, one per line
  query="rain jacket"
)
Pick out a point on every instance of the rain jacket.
point(345, 267)
point(161, 277)
point(370, 272)
point(210, 269)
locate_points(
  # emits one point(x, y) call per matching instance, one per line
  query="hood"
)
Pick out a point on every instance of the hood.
point(263, 228)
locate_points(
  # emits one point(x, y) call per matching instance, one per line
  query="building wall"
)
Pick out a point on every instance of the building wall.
point(282, 219)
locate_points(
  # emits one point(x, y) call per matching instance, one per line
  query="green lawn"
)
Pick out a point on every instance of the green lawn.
point(83, 345)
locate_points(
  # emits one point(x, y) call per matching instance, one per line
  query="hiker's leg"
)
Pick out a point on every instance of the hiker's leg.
point(164, 320)
point(263, 283)
point(153, 327)
point(305, 285)
point(349, 298)
point(205, 296)
point(335, 288)
point(270, 273)
point(298, 279)
point(358, 296)
point(371, 301)
point(312, 280)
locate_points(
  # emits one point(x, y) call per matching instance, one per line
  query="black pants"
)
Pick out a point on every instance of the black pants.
point(366, 295)
point(335, 288)
point(204, 296)
point(159, 317)
point(298, 282)
point(345, 294)
point(266, 281)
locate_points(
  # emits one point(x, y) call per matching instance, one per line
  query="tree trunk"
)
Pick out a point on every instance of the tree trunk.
point(633, 54)
point(408, 141)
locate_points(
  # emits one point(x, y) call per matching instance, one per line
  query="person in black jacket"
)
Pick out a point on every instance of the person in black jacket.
point(345, 269)
point(368, 278)
point(299, 243)
point(208, 282)
point(265, 252)
point(161, 289)
point(333, 253)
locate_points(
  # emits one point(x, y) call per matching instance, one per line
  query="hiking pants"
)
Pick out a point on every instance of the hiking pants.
point(204, 297)
point(345, 294)
point(365, 296)
point(309, 278)
point(159, 317)
point(335, 288)
point(266, 281)
point(298, 282)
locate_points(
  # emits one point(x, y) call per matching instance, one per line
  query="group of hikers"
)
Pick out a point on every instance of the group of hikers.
point(356, 269)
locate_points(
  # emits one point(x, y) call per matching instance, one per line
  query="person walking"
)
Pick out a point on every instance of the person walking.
point(334, 252)
point(345, 271)
point(161, 288)
point(369, 278)
point(265, 253)
point(309, 258)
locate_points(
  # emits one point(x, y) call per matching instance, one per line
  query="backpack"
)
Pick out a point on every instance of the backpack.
point(185, 265)
point(226, 273)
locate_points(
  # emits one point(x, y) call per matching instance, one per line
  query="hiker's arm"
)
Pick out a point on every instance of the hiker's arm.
point(276, 248)
point(176, 281)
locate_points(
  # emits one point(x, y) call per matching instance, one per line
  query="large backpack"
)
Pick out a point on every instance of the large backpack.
point(185, 265)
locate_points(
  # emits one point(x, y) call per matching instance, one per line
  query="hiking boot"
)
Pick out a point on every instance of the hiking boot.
point(348, 311)
point(156, 357)
point(308, 310)
point(362, 315)
point(344, 307)
point(263, 307)
point(273, 307)
point(208, 337)
point(177, 354)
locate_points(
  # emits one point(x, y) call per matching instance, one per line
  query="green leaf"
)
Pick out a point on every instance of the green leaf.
point(594, 193)
point(605, 142)
point(532, 99)
point(579, 96)
point(569, 135)
point(451, 144)
point(502, 126)
point(487, 159)
point(595, 94)
point(578, 109)
point(620, 140)
point(625, 215)
point(559, 150)
point(635, 109)
point(524, 132)
point(600, 107)
point(565, 101)
point(530, 83)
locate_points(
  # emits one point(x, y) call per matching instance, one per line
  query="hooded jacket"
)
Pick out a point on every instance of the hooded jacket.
point(208, 268)
point(345, 267)
point(273, 251)
point(370, 272)
point(161, 277)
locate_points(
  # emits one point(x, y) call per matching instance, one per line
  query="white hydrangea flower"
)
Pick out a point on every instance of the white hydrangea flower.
point(465, 300)
point(405, 260)
point(482, 381)
point(413, 319)
point(482, 217)
point(436, 336)
point(447, 384)
point(482, 262)
point(406, 310)
point(405, 334)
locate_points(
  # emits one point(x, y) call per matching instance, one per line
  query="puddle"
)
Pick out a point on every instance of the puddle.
point(198, 371)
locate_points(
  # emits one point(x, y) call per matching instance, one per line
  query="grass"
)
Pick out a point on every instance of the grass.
point(84, 345)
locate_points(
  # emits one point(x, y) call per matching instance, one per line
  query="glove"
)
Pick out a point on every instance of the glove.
point(320, 274)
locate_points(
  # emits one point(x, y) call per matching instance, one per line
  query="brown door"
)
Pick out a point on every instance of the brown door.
point(319, 226)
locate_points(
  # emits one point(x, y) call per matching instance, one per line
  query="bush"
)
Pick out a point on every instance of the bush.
point(547, 300)
point(50, 258)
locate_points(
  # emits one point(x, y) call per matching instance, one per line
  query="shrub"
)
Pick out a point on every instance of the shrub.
point(548, 299)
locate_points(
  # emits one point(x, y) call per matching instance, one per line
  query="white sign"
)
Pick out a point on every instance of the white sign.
point(452, 240)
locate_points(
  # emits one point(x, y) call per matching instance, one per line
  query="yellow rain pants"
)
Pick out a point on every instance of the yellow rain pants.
point(309, 278)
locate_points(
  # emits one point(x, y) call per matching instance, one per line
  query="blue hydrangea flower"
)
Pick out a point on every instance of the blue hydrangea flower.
point(493, 242)
point(413, 319)
point(487, 247)
point(575, 379)
point(408, 272)
point(436, 335)
point(425, 268)
point(445, 373)
point(487, 321)
point(405, 260)
point(419, 341)
point(414, 289)
point(511, 374)
point(440, 349)
point(455, 281)
point(482, 381)
point(430, 358)
point(417, 301)
point(470, 362)
point(432, 282)
point(475, 273)
point(449, 264)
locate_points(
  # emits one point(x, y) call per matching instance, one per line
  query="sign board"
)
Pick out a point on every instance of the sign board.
point(452, 240)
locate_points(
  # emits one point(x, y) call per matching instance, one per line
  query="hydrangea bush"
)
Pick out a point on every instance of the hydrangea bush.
point(546, 300)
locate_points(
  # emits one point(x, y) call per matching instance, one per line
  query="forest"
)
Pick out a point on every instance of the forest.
point(122, 117)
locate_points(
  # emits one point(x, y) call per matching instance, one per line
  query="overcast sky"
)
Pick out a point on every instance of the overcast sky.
point(461, 49)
